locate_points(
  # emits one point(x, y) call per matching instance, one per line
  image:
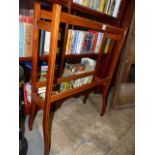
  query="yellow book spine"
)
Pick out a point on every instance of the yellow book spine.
point(101, 6)
point(68, 40)
point(85, 3)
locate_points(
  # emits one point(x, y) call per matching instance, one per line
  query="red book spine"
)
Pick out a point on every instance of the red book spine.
point(95, 39)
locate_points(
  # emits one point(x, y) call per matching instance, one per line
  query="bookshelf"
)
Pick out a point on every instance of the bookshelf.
point(107, 62)
point(123, 19)
point(52, 102)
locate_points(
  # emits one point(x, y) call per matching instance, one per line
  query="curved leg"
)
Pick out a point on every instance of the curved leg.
point(104, 99)
point(85, 98)
point(32, 115)
point(103, 105)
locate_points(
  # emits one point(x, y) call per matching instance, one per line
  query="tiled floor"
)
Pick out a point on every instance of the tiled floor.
point(79, 130)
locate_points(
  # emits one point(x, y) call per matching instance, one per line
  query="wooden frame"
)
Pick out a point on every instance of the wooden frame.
point(52, 102)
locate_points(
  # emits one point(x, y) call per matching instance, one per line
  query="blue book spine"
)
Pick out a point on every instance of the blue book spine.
point(96, 4)
point(21, 39)
point(74, 39)
point(85, 43)
point(76, 42)
point(89, 43)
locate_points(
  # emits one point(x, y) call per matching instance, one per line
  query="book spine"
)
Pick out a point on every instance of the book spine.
point(85, 3)
point(21, 39)
point(116, 8)
point(47, 42)
point(83, 42)
point(111, 7)
point(101, 6)
point(41, 43)
point(72, 42)
point(68, 41)
point(27, 39)
point(76, 42)
point(79, 43)
point(97, 5)
point(99, 41)
point(95, 39)
point(108, 6)
point(107, 44)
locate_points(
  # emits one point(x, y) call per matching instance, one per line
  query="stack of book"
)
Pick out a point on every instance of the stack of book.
point(110, 7)
point(25, 35)
point(42, 71)
point(86, 65)
point(41, 91)
point(82, 42)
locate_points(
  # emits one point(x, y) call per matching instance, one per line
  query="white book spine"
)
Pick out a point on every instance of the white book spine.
point(47, 42)
point(116, 8)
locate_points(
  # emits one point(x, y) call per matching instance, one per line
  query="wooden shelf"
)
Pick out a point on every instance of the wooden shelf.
point(90, 55)
point(89, 11)
point(29, 58)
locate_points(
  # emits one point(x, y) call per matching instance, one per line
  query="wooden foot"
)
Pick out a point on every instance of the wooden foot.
point(103, 105)
point(32, 115)
point(47, 127)
point(85, 98)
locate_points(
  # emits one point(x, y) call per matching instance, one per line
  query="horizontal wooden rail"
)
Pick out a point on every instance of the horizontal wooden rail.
point(74, 77)
point(80, 21)
point(44, 25)
point(74, 91)
point(72, 56)
point(64, 79)
point(40, 84)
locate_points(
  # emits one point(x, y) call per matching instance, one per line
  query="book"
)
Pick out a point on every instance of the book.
point(21, 39)
point(72, 42)
point(97, 4)
point(108, 6)
point(95, 39)
point(101, 5)
point(116, 8)
point(68, 42)
point(41, 42)
point(28, 31)
point(82, 36)
point(47, 42)
point(91, 2)
point(111, 8)
point(88, 61)
point(25, 35)
point(99, 41)
point(105, 6)
point(85, 3)
point(107, 44)
point(79, 43)
point(76, 42)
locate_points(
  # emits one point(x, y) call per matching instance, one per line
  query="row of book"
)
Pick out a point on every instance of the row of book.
point(110, 7)
point(82, 42)
point(86, 65)
point(41, 91)
point(25, 35)
point(41, 76)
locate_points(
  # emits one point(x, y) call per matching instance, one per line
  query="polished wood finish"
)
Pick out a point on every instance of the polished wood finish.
point(50, 75)
point(34, 61)
point(51, 102)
